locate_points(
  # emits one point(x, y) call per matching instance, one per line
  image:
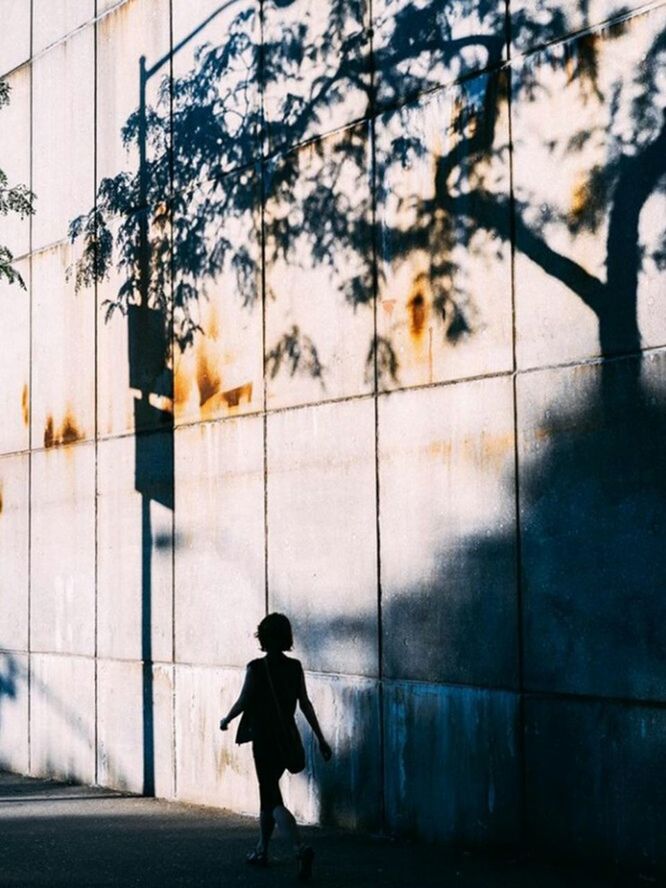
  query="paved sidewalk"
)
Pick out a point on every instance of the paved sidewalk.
point(61, 835)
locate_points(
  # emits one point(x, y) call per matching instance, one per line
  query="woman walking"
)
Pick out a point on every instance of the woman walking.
point(273, 684)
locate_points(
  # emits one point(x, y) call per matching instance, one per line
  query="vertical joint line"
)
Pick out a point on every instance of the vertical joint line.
point(262, 285)
point(30, 241)
point(95, 418)
point(374, 254)
point(172, 341)
point(522, 765)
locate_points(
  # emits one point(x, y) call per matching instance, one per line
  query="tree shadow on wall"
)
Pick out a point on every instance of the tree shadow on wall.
point(441, 222)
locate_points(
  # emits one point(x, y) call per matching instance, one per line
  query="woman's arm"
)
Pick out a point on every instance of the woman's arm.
point(308, 711)
point(240, 704)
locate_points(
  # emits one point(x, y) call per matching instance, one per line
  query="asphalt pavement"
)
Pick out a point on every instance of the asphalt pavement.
point(55, 834)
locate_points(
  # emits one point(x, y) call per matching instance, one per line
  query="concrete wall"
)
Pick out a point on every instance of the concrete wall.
point(408, 264)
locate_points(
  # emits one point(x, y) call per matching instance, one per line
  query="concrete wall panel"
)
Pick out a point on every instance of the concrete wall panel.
point(210, 768)
point(216, 90)
point(53, 19)
point(453, 770)
point(421, 44)
point(220, 373)
point(319, 324)
point(15, 34)
point(14, 552)
point(321, 533)
point(129, 31)
point(15, 118)
point(444, 276)
point(580, 234)
point(121, 725)
point(63, 135)
point(592, 497)
point(316, 68)
point(63, 550)
point(447, 520)
point(537, 22)
point(134, 551)
point(344, 792)
point(134, 349)
point(14, 753)
point(592, 784)
point(15, 362)
point(62, 717)
point(220, 541)
point(63, 349)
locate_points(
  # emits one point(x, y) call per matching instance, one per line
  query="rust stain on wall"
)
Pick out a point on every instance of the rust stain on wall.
point(67, 433)
point(235, 396)
point(417, 307)
point(25, 405)
point(182, 385)
point(49, 437)
point(208, 380)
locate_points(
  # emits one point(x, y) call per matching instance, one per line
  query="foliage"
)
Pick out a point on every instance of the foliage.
point(315, 205)
point(13, 199)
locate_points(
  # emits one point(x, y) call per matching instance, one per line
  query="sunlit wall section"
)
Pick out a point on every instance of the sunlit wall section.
point(351, 309)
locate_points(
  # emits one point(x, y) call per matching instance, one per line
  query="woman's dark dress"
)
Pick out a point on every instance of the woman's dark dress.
point(266, 722)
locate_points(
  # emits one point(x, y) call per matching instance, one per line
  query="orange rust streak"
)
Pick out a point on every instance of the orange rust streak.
point(49, 437)
point(25, 404)
point(208, 381)
point(68, 432)
point(417, 306)
point(234, 396)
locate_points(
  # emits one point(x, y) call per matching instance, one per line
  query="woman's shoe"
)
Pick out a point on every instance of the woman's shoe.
point(257, 858)
point(305, 861)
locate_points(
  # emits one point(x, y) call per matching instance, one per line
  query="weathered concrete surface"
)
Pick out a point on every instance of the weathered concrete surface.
point(211, 769)
point(120, 840)
point(322, 563)
point(14, 702)
point(420, 44)
point(14, 551)
point(15, 119)
point(62, 716)
point(595, 755)
point(53, 19)
point(447, 522)
point(584, 137)
point(571, 273)
point(319, 311)
point(222, 373)
point(129, 550)
point(63, 135)
point(345, 791)
point(219, 580)
point(444, 294)
point(62, 566)
point(206, 29)
point(593, 516)
point(316, 67)
point(128, 360)
point(452, 770)
point(129, 31)
point(63, 352)
point(15, 34)
point(121, 720)
point(15, 350)
point(537, 22)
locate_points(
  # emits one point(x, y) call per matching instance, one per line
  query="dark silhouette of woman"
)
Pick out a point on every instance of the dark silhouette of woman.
point(273, 684)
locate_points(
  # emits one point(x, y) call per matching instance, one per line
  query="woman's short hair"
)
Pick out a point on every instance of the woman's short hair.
point(274, 633)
